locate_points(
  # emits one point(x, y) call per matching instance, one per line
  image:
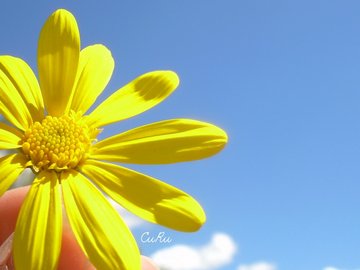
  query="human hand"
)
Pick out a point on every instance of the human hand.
point(71, 256)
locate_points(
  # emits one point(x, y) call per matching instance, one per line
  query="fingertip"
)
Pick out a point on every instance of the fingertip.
point(148, 264)
point(10, 203)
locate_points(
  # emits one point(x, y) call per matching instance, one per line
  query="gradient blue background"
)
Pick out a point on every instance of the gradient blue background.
point(281, 77)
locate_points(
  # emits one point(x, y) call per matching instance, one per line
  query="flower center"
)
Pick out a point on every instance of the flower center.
point(57, 143)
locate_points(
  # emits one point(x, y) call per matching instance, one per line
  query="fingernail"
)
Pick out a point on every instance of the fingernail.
point(5, 252)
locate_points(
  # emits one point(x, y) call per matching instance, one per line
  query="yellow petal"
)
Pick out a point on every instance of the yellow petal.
point(147, 197)
point(12, 105)
point(95, 69)
point(58, 58)
point(134, 98)
point(98, 228)
point(25, 82)
point(163, 142)
point(9, 137)
point(37, 238)
point(11, 166)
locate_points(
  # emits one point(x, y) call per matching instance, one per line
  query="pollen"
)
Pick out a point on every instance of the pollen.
point(57, 143)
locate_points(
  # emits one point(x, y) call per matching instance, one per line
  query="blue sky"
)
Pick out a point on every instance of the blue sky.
point(281, 77)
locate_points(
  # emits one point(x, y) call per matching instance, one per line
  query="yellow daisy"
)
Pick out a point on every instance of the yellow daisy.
point(51, 134)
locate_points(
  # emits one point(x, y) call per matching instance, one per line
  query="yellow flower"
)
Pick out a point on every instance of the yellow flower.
point(51, 135)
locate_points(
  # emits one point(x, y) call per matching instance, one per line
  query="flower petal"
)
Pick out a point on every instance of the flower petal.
point(99, 230)
point(12, 105)
point(95, 69)
point(26, 84)
point(10, 137)
point(37, 238)
point(11, 166)
point(147, 197)
point(134, 98)
point(163, 142)
point(58, 57)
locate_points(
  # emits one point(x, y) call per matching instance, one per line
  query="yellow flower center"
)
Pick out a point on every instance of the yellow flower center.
point(57, 143)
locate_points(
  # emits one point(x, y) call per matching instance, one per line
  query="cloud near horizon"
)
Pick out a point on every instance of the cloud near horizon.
point(335, 268)
point(257, 266)
point(218, 252)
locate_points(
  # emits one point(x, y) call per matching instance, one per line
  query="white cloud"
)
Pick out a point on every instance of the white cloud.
point(335, 268)
point(258, 266)
point(130, 219)
point(217, 253)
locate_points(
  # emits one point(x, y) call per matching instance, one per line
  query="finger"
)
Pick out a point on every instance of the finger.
point(71, 256)
point(148, 264)
point(10, 204)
